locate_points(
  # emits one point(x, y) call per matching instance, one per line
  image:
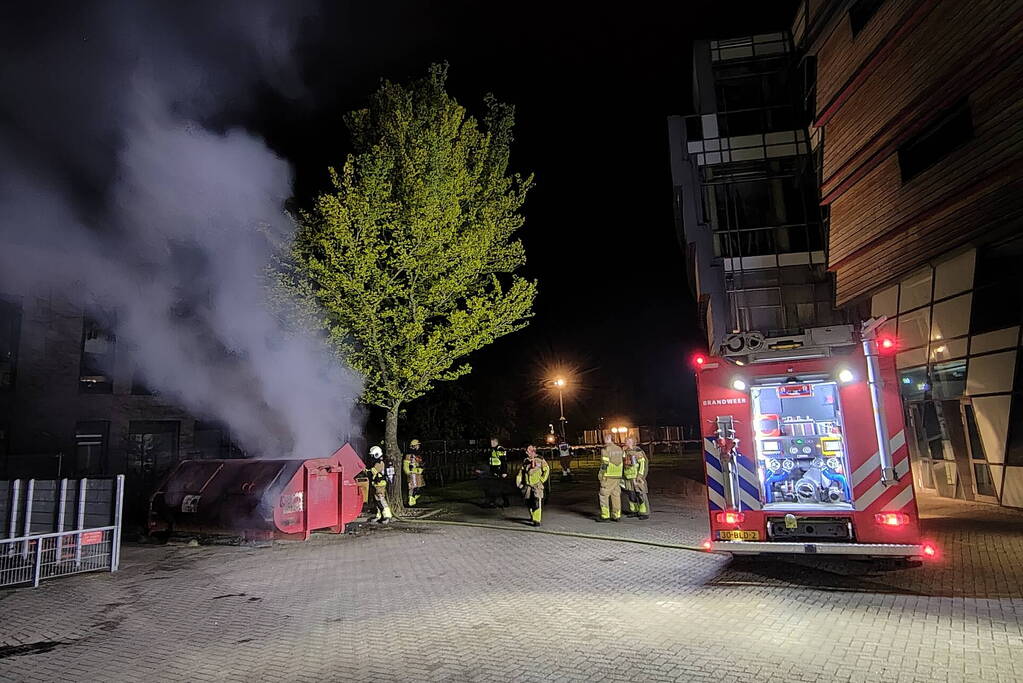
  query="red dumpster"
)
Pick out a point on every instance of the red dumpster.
point(259, 498)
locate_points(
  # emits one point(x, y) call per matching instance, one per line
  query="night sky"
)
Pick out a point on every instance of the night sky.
point(592, 87)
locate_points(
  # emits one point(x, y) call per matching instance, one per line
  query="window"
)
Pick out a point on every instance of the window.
point(10, 333)
point(915, 290)
point(861, 12)
point(97, 358)
point(153, 448)
point(213, 440)
point(913, 384)
point(998, 298)
point(949, 379)
point(138, 384)
point(91, 447)
point(950, 130)
point(951, 318)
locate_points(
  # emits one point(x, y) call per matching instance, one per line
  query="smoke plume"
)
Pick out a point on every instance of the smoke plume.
point(124, 184)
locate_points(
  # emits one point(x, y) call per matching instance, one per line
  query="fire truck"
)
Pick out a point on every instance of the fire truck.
point(805, 446)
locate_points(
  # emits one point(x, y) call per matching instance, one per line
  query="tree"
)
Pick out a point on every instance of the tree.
point(412, 255)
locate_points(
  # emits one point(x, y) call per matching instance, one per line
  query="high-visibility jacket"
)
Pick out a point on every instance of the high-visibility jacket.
point(635, 463)
point(497, 456)
point(376, 475)
point(413, 464)
point(611, 459)
point(534, 473)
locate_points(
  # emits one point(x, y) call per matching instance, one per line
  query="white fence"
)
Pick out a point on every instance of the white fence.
point(56, 528)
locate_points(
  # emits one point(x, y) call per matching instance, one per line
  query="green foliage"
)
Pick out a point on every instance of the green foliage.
point(411, 257)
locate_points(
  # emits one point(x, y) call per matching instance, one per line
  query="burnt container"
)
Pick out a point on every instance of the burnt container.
point(259, 498)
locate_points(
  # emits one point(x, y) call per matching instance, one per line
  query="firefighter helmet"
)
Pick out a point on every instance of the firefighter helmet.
point(414, 443)
point(376, 452)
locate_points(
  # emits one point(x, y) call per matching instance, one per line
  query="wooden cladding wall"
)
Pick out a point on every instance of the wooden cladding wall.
point(941, 58)
point(841, 54)
point(880, 227)
point(881, 202)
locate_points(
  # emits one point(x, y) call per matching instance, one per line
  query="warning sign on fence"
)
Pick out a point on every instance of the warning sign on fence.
point(92, 537)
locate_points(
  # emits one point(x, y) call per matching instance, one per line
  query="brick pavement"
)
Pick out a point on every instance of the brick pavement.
point(456, 603)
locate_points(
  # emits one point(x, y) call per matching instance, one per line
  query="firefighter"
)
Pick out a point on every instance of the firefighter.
point(497, 486)
point(565, 456)
point(532, 477)
point(378, 484)
point(610, 478)
point(634, 472)
point(412, 466)
point(498, 464)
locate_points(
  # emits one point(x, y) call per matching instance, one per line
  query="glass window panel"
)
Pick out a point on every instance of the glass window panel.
point(948, 380)
point(915, 291)
point(912, 357)
point(954, 275)
point(913, 328)
point(992, 373)
point(951, 318)
point(947, 349)
point(885, 303)
point(913, 383)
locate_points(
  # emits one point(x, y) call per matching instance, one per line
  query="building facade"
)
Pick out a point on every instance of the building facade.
point(917, 138)
point(745, 193)
point(72, 403)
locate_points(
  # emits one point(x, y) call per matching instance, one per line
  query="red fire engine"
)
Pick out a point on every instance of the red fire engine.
point(791, 452)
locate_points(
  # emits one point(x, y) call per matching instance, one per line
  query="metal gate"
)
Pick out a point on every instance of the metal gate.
point(59, 527)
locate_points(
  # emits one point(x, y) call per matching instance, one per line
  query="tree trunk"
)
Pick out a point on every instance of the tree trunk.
point(394, 457)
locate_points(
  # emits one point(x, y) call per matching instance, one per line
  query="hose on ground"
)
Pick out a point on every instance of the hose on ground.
point(550, 532)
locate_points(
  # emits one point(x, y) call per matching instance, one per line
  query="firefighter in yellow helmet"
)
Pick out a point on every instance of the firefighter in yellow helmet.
point(635, 470)
point(378, 484)
point(534, 474)
point(610, 478)
point(412, 466)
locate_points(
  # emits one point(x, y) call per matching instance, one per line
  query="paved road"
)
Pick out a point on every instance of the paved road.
point(442, 602)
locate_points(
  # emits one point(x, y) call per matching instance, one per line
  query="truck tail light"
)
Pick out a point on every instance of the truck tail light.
point(930, 551)
point(706, 545)
point(892, 519)
point(729, 517)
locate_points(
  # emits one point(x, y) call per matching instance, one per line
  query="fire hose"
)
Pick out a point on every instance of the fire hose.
point(570, 534)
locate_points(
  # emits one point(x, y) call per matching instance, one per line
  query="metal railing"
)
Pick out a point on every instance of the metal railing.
point(45, 548)
point(28, 559)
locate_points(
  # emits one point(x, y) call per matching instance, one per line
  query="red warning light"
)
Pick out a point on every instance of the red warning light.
point(730, 517)
point(886, 343)
point(706, 545)
point(699, 360)
point(930, 551)
point(892, 519)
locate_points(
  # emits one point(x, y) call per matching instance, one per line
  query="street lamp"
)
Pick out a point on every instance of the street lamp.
point(560, 384)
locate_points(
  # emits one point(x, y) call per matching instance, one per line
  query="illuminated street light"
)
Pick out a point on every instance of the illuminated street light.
point(845, 375)
point(560, 383)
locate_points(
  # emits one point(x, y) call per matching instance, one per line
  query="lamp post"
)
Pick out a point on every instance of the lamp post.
point(560, 384)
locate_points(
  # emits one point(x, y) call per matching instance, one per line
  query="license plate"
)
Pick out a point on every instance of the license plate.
point(738, 535)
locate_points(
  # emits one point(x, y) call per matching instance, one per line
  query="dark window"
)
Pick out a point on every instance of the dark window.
point(949, 379)
point(998, 294)
point(10, 332)
point(153, 448)
point(861, 12)
point(1014, 440)
point(138, 385)
point(213, 440)
point(91, 447)
point(976, 445)
point(982, 477)
point(950, 130)
point(97, 359)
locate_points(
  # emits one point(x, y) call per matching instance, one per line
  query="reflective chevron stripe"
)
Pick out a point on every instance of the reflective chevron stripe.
point(873, 463)
point(867, 499)
point(715, 476)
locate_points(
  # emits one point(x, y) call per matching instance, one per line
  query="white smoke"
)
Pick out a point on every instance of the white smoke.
point(116, 188)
